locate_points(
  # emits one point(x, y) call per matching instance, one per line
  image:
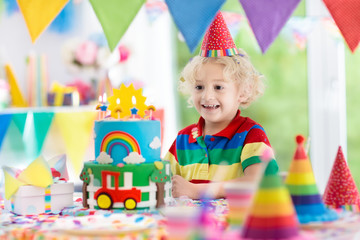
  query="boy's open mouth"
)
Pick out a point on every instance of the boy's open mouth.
point(209, 106)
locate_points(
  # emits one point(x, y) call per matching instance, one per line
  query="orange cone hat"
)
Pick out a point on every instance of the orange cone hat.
point(272, 215)
point(303, 189)
point(341, 191)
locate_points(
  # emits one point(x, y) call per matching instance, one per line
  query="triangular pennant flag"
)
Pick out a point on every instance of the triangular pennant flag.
point(341, 191)
point(19, 120)
point(5, 120)
point(303, 189)
point(42, 123)
point(38, 14)
point(25, 124)
point(38, 173)
point(11, 183)
point(115, 17)
point(76, 129)
point(17, 99)
point(193, 18)
point(267, 18)
point(346, 14)
point(272, 214)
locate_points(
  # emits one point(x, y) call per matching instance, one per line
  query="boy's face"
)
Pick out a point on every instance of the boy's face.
point(216, 99)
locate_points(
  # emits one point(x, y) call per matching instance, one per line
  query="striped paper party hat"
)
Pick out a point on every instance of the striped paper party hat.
point(217, 40)
point(341, 191)
point(303, 189)
point(272, 214)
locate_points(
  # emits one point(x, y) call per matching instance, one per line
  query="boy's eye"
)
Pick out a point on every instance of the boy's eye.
point(219, 87)
point(198, 87)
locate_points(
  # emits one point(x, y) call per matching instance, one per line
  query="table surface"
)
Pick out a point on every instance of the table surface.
point(79, 223)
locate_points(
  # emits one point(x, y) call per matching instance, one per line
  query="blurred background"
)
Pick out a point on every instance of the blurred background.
point(72, 53)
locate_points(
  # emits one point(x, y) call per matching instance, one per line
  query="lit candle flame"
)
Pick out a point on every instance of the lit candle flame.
point(133, 99)
point(118, 101)
point(104, 97)
point(100, 99)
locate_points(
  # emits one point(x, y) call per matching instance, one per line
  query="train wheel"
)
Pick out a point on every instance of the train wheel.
point(104, 201)
point(130, 203)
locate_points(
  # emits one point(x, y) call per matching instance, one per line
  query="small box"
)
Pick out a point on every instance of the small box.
point(29, 200)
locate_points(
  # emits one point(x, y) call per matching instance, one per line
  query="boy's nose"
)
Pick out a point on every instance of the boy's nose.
point(208, 94)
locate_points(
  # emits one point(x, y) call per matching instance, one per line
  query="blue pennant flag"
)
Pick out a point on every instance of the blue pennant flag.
point(193, 18)
point(5, 120)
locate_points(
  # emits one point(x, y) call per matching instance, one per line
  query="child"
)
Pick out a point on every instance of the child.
point(223, 146)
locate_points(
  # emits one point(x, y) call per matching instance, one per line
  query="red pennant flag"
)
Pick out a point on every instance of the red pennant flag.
point(346, 14)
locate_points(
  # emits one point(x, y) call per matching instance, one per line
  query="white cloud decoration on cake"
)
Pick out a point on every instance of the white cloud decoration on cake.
point(134, 158)
point(104, 158)
point(156, 143)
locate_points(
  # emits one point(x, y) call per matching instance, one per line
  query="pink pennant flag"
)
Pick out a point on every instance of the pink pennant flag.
point(346, 14)
point(267, 18)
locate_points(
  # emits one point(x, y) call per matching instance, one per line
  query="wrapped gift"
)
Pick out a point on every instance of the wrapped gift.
point(29, 200)
point(40, 188)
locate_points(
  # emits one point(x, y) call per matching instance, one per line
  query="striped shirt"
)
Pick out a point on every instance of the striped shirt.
point(219, 157)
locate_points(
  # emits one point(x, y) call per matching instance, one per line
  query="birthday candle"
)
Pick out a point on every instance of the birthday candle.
point(118, 111)
point(45, 79)
point(31, 75)
point(38, 82)
point(98, 107)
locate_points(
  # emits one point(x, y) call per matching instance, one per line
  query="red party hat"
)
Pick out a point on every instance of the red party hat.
point(217, 40)
point(341, 191)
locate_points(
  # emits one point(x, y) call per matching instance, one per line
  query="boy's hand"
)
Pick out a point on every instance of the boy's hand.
point(182, 187)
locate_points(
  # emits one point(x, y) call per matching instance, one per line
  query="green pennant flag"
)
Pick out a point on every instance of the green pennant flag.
point(42, 123)
point(115, 17)
point(33, 128)
point(19, 120)
point(25, 124)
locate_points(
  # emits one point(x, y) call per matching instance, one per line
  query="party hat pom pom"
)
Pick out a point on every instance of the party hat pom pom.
point(300, 139)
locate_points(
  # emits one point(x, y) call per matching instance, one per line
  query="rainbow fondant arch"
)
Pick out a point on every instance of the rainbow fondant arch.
point(119, 138)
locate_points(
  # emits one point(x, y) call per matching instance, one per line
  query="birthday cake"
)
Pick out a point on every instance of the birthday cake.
point(127, 171)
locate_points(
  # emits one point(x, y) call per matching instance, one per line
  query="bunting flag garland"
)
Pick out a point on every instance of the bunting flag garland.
point(38, 14)
point(193, 18)
point(267, 18)
point(346, 14)
point(17, 99)
point(341, 190)
point(76, 129)
point(5, 120)
point(115, 17)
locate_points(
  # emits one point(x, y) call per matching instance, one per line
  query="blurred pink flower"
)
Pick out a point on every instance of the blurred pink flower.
point(124, 53)
point(86, 53)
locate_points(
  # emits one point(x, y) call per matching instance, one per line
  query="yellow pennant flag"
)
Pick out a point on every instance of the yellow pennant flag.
point(17, 99)
point(76, 129)
point(38, 14)
point(11, 184)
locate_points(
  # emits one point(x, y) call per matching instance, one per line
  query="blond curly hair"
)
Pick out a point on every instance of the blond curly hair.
point(237, 68)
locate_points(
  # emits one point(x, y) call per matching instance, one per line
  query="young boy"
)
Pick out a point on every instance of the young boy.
point(223, 146)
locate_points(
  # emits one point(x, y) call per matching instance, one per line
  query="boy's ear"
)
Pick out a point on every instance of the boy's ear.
point(242, 97)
